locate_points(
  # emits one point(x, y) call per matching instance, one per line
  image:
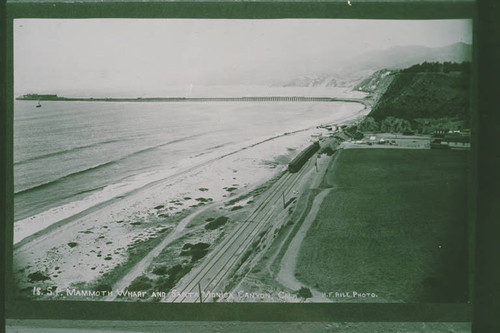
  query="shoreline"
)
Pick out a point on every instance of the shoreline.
point(133, 220)
point(40, 222)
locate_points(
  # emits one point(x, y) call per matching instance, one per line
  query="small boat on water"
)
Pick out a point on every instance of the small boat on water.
point(39, 105)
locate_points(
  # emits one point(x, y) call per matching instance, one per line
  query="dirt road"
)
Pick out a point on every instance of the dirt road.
point(286, 275)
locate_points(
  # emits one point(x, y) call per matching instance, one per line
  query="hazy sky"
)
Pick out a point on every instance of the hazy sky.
point(64, 54)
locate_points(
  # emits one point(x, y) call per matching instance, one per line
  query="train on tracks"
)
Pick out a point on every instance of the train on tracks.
point(296, 164)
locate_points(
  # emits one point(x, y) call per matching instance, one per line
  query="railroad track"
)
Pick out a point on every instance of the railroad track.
point(215, 270)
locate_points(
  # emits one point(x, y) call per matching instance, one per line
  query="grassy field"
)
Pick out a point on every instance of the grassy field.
point(394, 225)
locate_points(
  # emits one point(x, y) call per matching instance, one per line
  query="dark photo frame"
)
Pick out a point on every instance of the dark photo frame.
point(460, 312)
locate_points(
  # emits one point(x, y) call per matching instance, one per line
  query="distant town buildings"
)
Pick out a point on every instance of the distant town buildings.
point(459, 139)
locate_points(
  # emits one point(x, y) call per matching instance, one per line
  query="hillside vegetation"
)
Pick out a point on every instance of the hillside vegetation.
point(425, 94)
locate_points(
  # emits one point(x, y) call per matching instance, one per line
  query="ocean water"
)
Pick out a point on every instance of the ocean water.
point(67, 151)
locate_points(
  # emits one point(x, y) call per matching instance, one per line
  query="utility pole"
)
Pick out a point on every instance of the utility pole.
point(284, 203)
point(199, 290)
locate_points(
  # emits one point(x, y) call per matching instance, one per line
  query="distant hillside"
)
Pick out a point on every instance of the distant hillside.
point(373, 83)
point(352, 72)
point(341, 78)
point(377, 83)
point(430, 90)
point(400, 57)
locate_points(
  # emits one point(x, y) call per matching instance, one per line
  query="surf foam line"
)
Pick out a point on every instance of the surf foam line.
point(103, 165)
point(29, 228)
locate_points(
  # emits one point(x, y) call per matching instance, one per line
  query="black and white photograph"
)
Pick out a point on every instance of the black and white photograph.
point(242, 161)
